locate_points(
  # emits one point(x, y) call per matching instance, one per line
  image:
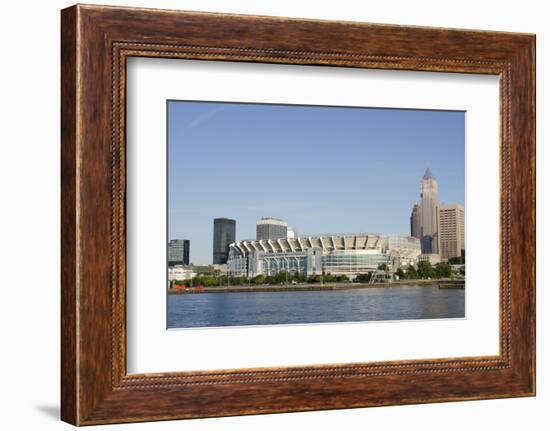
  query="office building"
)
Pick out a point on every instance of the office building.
point(429, 214)
point(178, 252)
point(224, 234)
point(451, 231)
point(271, 228)
point(415, 222)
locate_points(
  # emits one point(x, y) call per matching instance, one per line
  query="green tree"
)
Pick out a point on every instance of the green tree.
point(363, 278)
point(294, 276)
point(459, 260)
point(329, 278)
point(442, 270)
point(400, 273)
point(282, 277)
point(411, 273)
point(383, 267)
point(301, 278)
point(425, 270)
point(239, 281)
point(259, 279)
point(314, 279)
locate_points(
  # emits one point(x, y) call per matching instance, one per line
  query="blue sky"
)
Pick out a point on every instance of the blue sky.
point(323, 169)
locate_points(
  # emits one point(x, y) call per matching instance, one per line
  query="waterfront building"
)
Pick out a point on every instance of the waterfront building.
point(433, 258)
point(451, 231)
point(214, 270)
point(180, 272)
point(350, 254)
point(428, 213)
point(224, 234)
point(178, 252)
point(404, 251)
point(187, 272)
point(415, 222)
point(271, 228)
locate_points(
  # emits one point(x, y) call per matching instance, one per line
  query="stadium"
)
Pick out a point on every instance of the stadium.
point(347, 254)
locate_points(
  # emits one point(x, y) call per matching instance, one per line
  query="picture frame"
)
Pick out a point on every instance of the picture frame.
point(96, 42)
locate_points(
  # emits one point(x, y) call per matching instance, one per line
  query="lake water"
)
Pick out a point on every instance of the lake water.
point(354, 305)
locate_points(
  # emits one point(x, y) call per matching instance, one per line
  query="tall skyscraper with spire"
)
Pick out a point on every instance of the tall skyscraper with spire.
point(429, 213)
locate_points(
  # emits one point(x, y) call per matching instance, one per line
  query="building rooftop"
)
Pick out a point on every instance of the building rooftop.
point(428, 175)
point(272, 220)
point(327, 242)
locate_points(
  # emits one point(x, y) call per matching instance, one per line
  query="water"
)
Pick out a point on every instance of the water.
point(354, 305)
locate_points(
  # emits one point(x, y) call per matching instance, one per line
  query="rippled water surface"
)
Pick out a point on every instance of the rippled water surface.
point(270, 308)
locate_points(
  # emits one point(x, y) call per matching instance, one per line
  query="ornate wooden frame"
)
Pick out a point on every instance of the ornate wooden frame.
point(95, 42)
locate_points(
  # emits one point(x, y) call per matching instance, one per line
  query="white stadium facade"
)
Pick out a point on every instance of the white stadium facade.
point(347, 254)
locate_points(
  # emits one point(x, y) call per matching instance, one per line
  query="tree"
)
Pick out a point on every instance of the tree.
point(425, 270)
point(459, 260)
point(300, 278)
point(314, 279)
point(400, 273)
point(281, 277)
point(259, 279)
point(383, 267)
point(411, 273)
point(363, 278)
point(238, 281)
point(442, 270)
point(329, 278)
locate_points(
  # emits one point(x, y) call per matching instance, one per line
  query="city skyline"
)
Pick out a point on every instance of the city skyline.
point(328, 170)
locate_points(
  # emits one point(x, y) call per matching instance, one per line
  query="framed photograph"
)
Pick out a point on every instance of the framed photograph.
point(264, 215)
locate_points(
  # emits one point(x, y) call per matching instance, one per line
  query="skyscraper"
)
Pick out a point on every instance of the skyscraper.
point(451, 230)
point(415, 222)
point(429, 213)
point(224, 234)
point(178, 252)
point(271, 228)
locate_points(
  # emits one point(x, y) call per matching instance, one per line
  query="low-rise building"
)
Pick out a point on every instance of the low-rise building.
point(214, 269)
point(433, 258)
point(180, 272)
point(187, 272)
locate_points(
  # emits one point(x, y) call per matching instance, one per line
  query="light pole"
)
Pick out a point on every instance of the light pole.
point(287, 271)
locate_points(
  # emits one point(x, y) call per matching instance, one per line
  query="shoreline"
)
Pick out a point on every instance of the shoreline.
point(443, 284)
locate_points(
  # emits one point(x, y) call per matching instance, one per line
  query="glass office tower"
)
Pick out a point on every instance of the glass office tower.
point(178, 252)
point(224, 234)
